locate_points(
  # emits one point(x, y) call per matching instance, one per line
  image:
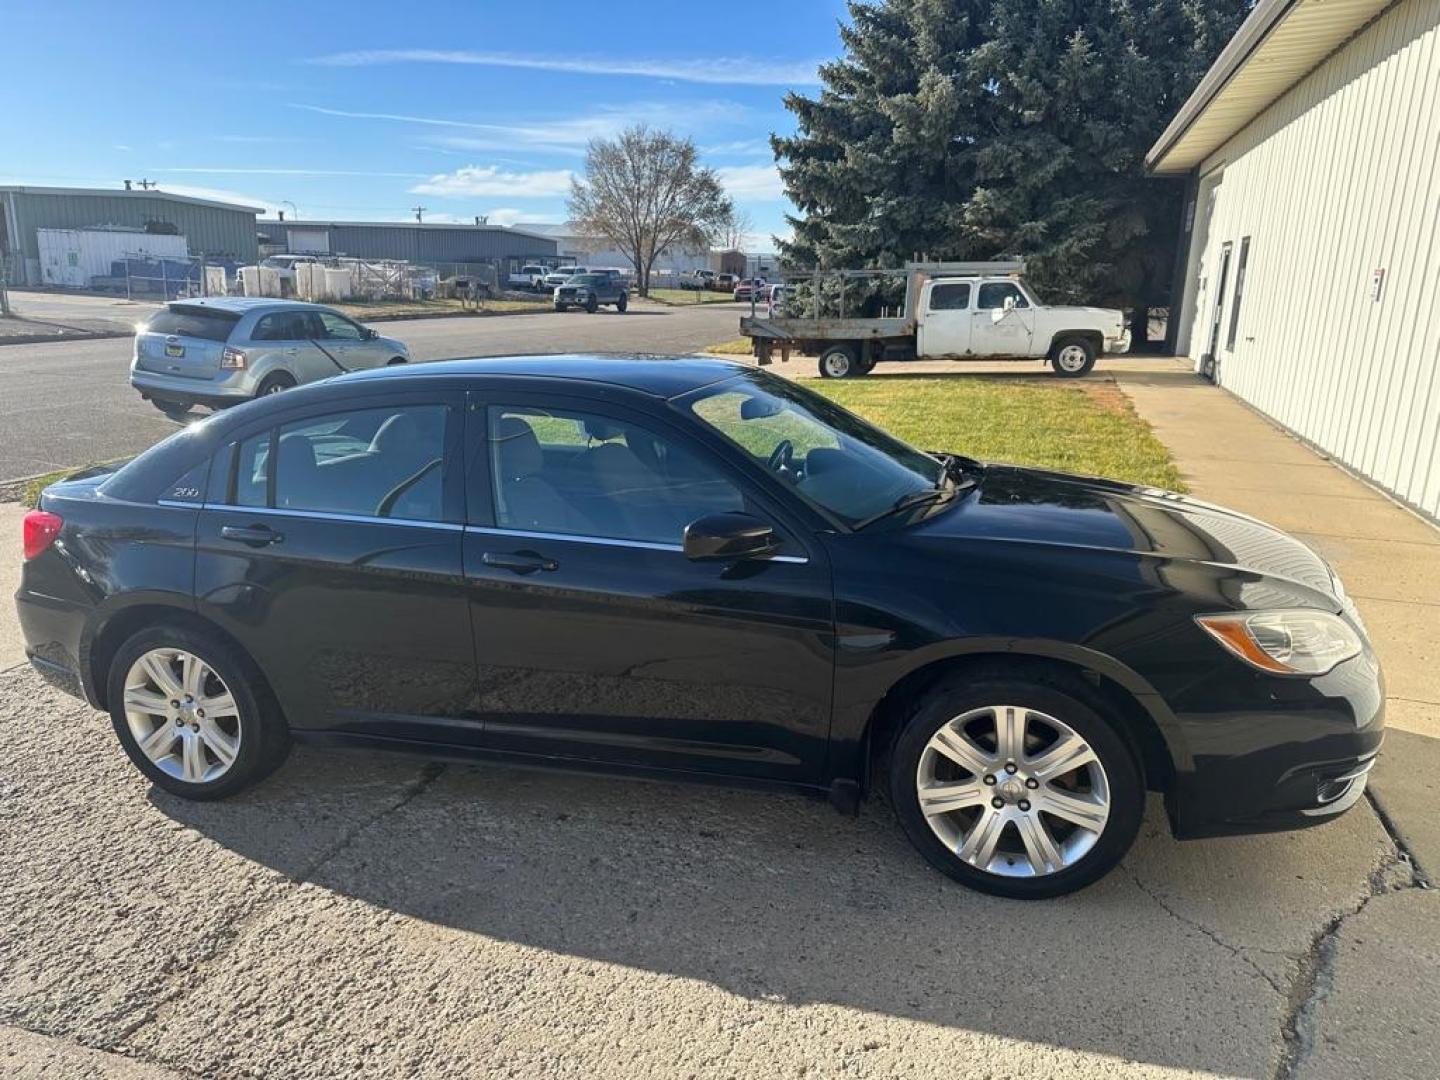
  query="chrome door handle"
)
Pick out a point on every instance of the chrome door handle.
point(254, 535)
point(521, 562)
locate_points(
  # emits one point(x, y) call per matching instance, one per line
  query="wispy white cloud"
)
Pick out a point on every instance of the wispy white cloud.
point(751, 182)
point(256, 139)
point(225, 169)
point(510, 215)
point(492, 181)
point(222, 195)
point(123, 148)
point(739, 148)
point(738, 70)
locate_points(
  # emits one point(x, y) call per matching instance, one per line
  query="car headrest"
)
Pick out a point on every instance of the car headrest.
point(601, 429)
point(518, 449)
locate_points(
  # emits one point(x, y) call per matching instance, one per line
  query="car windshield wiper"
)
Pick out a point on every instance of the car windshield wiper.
point(943, 493)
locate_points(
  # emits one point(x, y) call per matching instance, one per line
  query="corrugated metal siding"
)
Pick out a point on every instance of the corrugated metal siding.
point(1340, 177)
point(436, 245)
point(216, 232)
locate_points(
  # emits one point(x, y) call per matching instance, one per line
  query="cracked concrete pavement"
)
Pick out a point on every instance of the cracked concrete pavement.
point(364, 915)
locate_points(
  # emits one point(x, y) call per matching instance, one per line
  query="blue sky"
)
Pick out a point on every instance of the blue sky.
point(364, 110)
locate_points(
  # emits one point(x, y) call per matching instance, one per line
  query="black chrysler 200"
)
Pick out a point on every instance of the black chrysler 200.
point(692, 568)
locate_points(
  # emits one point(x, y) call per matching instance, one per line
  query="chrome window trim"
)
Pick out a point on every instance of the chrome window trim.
point(330, 515)
point(606, 541)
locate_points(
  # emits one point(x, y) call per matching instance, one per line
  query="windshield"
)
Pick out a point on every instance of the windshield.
point(588, 279)
point(831, 457)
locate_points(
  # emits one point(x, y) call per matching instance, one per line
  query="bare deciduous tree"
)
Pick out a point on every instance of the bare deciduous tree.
point(734, 230)
point(644, 191)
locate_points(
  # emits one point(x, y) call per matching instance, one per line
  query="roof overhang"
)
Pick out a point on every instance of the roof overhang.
point(1280, 43)
point(128, 193)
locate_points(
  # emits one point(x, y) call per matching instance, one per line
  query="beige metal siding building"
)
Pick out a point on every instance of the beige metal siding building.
point(1311, 240)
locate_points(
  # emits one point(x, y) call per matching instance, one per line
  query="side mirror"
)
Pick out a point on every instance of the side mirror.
point(371, 334)
point(729, 536)
point(1009, 303)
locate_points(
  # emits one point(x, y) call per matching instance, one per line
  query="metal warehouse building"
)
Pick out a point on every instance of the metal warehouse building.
point(1309, 283)
point(507, 248)
point(217, 229)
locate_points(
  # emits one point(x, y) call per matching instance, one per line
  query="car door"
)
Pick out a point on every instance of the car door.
point(348, 342)
point(330, 547)
point(290, 334)
point(945, 322)
point(596, 638)
point(1003, 321)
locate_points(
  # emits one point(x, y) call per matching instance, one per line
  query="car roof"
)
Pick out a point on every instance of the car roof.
point(661, 376)
point(240, 305)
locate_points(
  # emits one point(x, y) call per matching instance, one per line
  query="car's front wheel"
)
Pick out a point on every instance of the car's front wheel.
point(1073, 357)
point(193, 714)
point(1016, 786)
point(622, 303)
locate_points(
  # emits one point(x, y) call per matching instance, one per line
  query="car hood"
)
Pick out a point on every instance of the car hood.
point(1034, 506)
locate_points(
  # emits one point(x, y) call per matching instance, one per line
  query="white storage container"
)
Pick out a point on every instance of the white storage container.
point(73, 256)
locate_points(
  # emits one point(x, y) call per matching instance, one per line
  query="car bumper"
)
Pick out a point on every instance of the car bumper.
point(52, 628)
point(1116, 346)
point(1301, 760)
point(229, 388)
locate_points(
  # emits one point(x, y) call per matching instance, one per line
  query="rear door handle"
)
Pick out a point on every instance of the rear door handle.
point(522, 562)
point(254, 535)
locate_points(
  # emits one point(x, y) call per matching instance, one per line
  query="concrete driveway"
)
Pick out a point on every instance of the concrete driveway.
point(361, 915)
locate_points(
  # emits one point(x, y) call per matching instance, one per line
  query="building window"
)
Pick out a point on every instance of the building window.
point(1239, 292)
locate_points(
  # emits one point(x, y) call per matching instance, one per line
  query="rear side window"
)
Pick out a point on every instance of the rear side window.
point(954, 296)
point(194, 322)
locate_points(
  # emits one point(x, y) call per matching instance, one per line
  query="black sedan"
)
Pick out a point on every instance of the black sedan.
point(694, 568)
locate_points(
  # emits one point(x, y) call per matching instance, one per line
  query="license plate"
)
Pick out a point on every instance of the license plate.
point(174, 350)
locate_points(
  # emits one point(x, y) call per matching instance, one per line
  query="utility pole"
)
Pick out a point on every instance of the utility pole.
point(419, 210)
point(146, 185)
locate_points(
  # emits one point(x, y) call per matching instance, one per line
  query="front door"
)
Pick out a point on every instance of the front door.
point(330, 546)
point(346, 342)
point(597, 639)
point(1211, 358)
point(1003, 321)
point(945, 323)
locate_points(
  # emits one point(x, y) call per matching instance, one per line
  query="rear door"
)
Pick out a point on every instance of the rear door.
point(996, 330)
point(596, 638)
point(945, 319)
point(290, 333)
point(185, 340)
point(330, 547)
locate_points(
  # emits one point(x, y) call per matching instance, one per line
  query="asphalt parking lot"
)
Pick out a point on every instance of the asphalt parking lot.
point(369, 915)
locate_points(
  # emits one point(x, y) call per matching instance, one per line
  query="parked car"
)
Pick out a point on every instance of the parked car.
point(954, 311)
point(697, 279)
point(530, 277)
point(556, 278)
point(692, 567)
point(590, 291)
point(748, 286)
point(285, 265)
point(775, 299)
point(224, 350)
point(725, 282)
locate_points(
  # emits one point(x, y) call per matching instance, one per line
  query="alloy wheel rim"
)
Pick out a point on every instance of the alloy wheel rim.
point(1072, 358)
point(182, 715)
point(1013, 791)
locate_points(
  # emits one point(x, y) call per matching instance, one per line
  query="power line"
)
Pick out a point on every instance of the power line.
point(419, 211)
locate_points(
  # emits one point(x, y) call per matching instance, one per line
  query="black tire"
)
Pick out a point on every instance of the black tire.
point(839, 362)
point(591, 306)
point(1054, 695)
point(1065, 356)
point(264, 735)
point(395, 360)
point(173, 410)
point(622, 303)
point(562, 307)
point(274, 383)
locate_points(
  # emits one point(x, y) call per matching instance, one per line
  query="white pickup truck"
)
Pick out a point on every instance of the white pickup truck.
point(953, 311)
point(529, 277)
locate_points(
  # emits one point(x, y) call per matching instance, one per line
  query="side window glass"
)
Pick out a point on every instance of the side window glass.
point(994, 293)
point(582, 474)
point(368, 462)
point(339, 328)
point(954, 296)
point(251, 486)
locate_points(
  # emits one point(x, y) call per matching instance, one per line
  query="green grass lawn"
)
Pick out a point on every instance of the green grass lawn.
point(739, 346)
point(681, 297)
point(1091, 429)
point(369, 309)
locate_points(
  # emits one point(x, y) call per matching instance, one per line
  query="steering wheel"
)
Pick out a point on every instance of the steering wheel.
point(782, 458)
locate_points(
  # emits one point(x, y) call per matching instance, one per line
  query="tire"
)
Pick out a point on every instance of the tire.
point(395, 360)
point(622, 303)
point(173, 410)
point(275, 383)
point(591, 306)
point(838, 362)
point(255, 731)
point(562, 307)
point(1072, 357)
point(1112, 800)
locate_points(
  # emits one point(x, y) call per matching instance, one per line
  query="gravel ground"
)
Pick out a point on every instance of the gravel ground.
point(364, 915)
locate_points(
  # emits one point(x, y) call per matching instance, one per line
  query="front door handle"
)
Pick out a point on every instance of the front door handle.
point(254, 535)
point(521, 562)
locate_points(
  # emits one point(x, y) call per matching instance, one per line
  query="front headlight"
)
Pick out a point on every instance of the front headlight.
point(1291, 642)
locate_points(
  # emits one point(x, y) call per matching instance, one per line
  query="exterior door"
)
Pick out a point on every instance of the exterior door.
point(998, 330)
point(1210, 361)
point(345, 340)
point(945, 324)
point(331, 548)
point(292, 334)
point(597, 639)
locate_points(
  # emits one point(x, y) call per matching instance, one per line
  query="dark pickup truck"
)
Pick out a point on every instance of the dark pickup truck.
point(589, 291)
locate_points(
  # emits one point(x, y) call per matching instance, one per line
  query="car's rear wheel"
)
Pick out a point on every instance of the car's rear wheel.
point(622, 303)
point(193, 714)
point(1073, 357)
point(838, 362)
point(174, 410)
point(1016, 786)
point(395, 360)
point(275, 383)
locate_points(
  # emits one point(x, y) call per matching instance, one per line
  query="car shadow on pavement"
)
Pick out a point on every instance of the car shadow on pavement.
point(776, 898)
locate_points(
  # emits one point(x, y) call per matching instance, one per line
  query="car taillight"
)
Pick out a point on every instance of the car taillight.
point(40, 529)
point(233, 359)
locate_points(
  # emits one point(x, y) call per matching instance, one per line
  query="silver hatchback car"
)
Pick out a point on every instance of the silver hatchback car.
point(224, 350)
